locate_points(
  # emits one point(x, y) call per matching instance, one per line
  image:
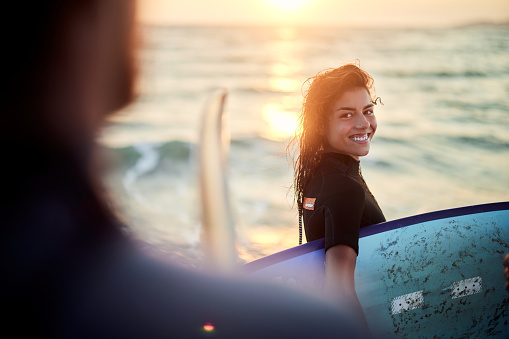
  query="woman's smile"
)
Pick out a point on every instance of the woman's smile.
point(360, 138)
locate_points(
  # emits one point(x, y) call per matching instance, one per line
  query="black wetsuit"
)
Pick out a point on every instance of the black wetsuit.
point(337, 202)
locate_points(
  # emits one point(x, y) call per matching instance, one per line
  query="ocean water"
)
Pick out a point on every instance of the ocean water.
point(442, 138)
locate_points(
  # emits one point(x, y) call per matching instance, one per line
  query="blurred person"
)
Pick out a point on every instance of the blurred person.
point(69, 268)
point(336, 127)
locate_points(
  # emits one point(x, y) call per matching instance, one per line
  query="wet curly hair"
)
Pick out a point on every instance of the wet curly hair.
point(323, 90)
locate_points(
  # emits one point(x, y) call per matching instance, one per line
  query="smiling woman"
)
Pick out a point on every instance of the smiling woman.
point(336, 126)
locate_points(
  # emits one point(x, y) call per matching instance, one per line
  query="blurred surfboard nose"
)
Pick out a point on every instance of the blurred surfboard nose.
point(217, 221)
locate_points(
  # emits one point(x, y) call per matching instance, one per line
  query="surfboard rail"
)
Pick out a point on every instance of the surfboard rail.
point(375, 229)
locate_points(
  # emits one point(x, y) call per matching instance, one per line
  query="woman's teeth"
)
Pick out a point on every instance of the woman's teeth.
point(359, 138)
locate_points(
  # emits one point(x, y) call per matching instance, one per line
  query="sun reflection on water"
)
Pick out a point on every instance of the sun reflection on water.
point(284, 84)
point(281, 124)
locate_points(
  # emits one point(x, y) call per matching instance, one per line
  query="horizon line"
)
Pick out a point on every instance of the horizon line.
point(480, 23)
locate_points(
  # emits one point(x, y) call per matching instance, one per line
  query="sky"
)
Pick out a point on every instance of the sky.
point(356, 13)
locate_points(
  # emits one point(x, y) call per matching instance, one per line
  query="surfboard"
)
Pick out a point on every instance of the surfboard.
point(434, 275)
point(217, 221)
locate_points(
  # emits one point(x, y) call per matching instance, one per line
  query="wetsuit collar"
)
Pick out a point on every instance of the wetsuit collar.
point(343, 162)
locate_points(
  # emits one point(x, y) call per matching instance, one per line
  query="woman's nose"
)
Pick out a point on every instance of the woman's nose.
point(361, 122)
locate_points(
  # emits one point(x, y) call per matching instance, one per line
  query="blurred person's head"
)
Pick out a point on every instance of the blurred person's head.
point(67, 65)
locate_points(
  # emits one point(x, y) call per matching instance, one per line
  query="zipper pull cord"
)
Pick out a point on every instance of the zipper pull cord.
point(300, 225)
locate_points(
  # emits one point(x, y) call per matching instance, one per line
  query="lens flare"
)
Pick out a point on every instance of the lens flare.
point(208, 327)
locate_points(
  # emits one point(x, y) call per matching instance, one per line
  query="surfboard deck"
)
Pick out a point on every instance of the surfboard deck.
point(437, 274)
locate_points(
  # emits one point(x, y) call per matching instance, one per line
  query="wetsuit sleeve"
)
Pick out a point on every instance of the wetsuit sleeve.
point(343, 206)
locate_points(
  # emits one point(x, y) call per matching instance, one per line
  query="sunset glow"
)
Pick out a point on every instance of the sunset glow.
point(372, 13)
point(288, 4)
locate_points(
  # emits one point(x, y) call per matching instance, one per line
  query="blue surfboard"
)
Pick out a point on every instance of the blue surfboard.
point(438, 274)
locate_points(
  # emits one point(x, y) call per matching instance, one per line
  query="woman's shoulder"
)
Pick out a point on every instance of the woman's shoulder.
point(328, 182)
point(335, 174)
point(341, 182)
point(335, 166)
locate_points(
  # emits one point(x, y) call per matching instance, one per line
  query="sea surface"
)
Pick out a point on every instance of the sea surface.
point(442, 138)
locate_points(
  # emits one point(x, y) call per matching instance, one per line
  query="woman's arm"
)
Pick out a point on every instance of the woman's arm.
point(340, 263)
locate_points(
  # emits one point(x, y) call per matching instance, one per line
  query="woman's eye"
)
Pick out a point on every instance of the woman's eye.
point(369, 112)
point(345, 115)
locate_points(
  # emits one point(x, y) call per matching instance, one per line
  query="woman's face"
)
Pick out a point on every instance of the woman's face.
point(351, 124)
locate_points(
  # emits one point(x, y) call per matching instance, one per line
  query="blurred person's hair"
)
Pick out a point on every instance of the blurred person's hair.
point(36, 45)
point(48, 62)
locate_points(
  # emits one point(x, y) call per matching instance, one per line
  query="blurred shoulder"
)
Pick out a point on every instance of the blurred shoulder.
point(142, 296)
